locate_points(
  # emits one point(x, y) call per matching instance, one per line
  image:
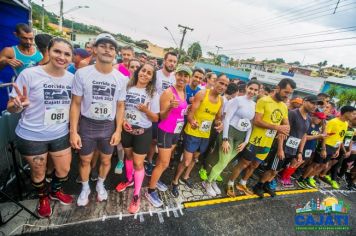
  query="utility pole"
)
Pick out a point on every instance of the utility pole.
point(337, 4)
point(61, 16)
point(42, 15)
point(218, 49)
point(185, 28)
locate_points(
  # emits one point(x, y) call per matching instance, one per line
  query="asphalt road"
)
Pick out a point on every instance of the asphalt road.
point(270, 216)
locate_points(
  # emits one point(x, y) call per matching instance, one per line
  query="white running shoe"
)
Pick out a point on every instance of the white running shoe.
point(102, 193)
point(83, 198)
point(209, 189)
point(216, 188)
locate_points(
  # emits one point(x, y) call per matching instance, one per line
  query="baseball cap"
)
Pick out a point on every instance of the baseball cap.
point(184, 68)
point(312, 98)
point(297, 100)
point(320, 115)
point(105, 37)
point(81, 52)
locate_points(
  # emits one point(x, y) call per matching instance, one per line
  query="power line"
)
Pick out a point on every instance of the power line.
point(295, 49)
point(305, 35)
point(287, 13)
point(290, 44)
point(297, 18)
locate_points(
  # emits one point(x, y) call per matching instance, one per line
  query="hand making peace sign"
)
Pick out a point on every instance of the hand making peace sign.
point(21, 101)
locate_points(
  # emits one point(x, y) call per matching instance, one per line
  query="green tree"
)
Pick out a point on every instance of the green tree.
point(252, 59)
point(194, 51)
point(280, 60)
point(333, 91)
point(347, 97)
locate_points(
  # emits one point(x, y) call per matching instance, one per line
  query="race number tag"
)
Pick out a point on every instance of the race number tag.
point(293, 142)
point(205, 126)
point(308, 152)
point(56, 115)
point(179, 127)
point(347, 142)
point(271, 133)
point(243, 125)
point(337, 144)
point(133, 117)
point(100, 110)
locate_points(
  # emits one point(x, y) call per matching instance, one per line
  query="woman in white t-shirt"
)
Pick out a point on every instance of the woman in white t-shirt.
point(43, 95)
point(141, 109)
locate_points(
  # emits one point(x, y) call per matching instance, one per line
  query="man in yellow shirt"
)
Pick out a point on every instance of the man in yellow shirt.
point(330, 147)
point(206, 107)
point(271, 118)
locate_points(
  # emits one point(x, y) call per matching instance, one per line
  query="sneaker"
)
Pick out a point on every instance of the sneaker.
point(203, 174)
point(154, 199)
point(161, 186)
point(219, 179)
point(135, 205)
point(209, 189)
point(230, 191)
point(148, 169)
point(328, 179)
point(175, 190)
point(258, 190)
point(273, 184)
point(243, 188)
point(288, 183)
point(268, 190)
point(83, 198)
point(102, 194)
point(94, 175)
point(44, 207)
point(301, 183)
point(334, 184)
point(216, 188)
point(187, 182)
point(118, 167)
point(312, 182)
point(78, 180)
point(64, 199)
point(123, 185)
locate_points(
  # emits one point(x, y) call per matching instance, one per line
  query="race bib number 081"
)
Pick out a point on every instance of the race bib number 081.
point(56, 115)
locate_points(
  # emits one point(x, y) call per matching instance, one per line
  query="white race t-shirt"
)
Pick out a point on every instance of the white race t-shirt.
point(137, 96)
point(47, 116)
point(239, 113)
point(99, 92)
point(163, 82)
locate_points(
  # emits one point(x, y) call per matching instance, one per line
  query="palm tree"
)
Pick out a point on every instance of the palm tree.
point(333, 91)
point(347, 97)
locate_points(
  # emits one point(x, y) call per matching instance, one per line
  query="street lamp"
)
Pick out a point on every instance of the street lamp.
point(61, 13)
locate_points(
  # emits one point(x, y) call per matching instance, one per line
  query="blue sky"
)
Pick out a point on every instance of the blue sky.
point(232, 24)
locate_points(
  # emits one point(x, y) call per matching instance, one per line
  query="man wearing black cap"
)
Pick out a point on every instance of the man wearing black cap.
point(330, 147)
point(98, 96)
point(299, 121)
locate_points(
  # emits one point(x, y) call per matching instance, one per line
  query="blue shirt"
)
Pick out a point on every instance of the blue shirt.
point(27, 60)
point(311, 144)
point(71, 68)
point(190, 92)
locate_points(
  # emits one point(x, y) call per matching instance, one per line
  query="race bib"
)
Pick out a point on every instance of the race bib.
point(308, 152)
point(179, 127)
point(100, 110)
point(243, 125)
point(56, 115)
point(271, 133)
point(205, 126)
point(293, 142)
point(133, 117)
point(337, 144)
point(347, 142)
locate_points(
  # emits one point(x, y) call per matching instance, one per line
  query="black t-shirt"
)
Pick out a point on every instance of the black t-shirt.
point(298, 127)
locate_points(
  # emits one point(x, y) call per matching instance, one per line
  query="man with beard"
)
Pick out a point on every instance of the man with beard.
point(271, 117)
point(192, 88)
point(165, 78)
point(127, 53)
point(23, 55)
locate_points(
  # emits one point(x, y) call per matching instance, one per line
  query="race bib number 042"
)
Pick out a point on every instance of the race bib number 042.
point(56, 115)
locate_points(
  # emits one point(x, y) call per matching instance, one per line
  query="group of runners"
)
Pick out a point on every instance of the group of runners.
point(138, 110)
